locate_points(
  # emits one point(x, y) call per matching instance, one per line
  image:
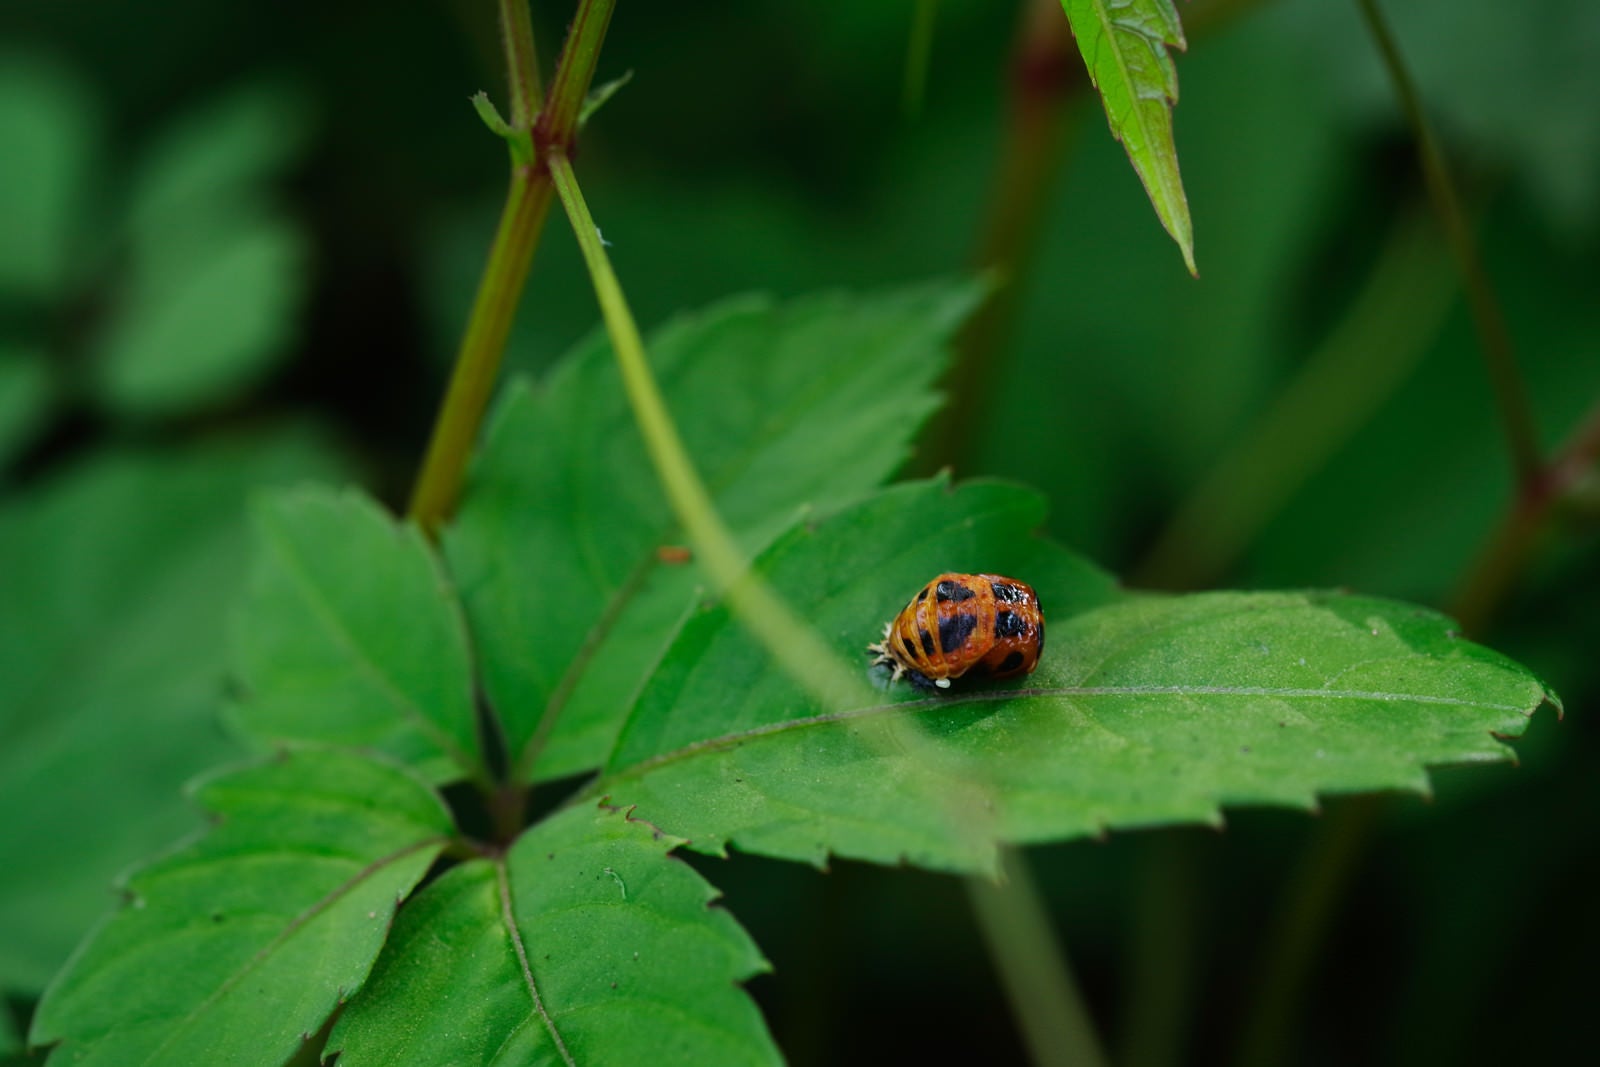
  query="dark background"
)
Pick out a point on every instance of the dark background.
point(764, 145)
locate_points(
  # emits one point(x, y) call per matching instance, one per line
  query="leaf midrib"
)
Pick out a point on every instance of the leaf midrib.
point(771, 429)
point(293, 927)
point(325, 613)
point(938, 703)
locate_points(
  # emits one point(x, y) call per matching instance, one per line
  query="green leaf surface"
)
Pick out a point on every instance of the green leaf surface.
point(557, 547)
point(257, 930)
point(1124, 44)
point(26, 396)
point(117, 577)
point(1144, 711)
point(587, 943)
point(49, 127)
point(204, 317)
point(349, 634)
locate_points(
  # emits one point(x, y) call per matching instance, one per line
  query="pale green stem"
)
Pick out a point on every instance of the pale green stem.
point(1044, 997)
point(795, 645)
point(790, 640)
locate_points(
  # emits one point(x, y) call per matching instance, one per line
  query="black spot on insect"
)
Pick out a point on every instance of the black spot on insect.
point(922, 595)
point(1011, 662)
point(1009, 624)
point(1007, 594)
point(1038, 631)
point(948, 590)
point(927, 641)
point(954, 631)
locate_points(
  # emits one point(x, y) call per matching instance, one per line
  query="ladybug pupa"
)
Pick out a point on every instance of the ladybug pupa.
point(963, 623)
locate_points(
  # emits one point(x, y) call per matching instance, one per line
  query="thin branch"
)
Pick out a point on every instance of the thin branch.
point(1510, 392)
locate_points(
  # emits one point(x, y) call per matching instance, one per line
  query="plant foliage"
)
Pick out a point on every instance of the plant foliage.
point(1124, 43)
point(580, 938)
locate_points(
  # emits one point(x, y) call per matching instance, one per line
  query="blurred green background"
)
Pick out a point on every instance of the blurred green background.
point(238, 246)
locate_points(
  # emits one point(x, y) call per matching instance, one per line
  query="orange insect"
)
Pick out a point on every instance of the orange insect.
point(983, 623)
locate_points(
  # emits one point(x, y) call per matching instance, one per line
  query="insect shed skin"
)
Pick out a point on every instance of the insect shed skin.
point(959, 623)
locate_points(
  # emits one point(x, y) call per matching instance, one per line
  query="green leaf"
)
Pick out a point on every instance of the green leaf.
point(49, 127)
point(117, 575)
point(1124, 44)
point(557, 550)
point(200, 327)
point(235, 947)
point(587, 943)
point(599, 95)
point(1144, 711)
point(216, 156)
point(349, 634)
point(26, 397)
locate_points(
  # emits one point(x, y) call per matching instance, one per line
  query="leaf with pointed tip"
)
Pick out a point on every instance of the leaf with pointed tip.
point(1145, 710)
point(233, 948)
point(350, 635)
point(559, 548)
point(587, 943)
point(1124, 44)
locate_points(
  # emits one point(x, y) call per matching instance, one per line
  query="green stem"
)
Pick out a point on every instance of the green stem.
point(478, 360)
point(1360, 364)
point(1301, 927)
point(522, 63)
point(1159, 998)
point(1044, 997)
point(1506, 553)
point(558, 121)
point(1516, 416)
point(494, 308)
point(795, 645)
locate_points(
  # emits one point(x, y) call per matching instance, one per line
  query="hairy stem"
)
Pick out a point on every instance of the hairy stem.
point(522, 63)
point(1510, 392)
point(542, 125)
point(482, 346)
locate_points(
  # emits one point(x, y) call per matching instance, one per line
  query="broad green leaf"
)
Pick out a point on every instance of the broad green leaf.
point(49, 127)
point(233, 948)
point(587, 943)
point(1124, 43)
point(558, 547)
point(26, 393)
point(117, 577)
point(1144, 711)
point(204, 319)
point(349, 634)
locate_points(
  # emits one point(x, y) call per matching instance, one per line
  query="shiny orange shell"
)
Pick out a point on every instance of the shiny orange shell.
point(982, 623)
